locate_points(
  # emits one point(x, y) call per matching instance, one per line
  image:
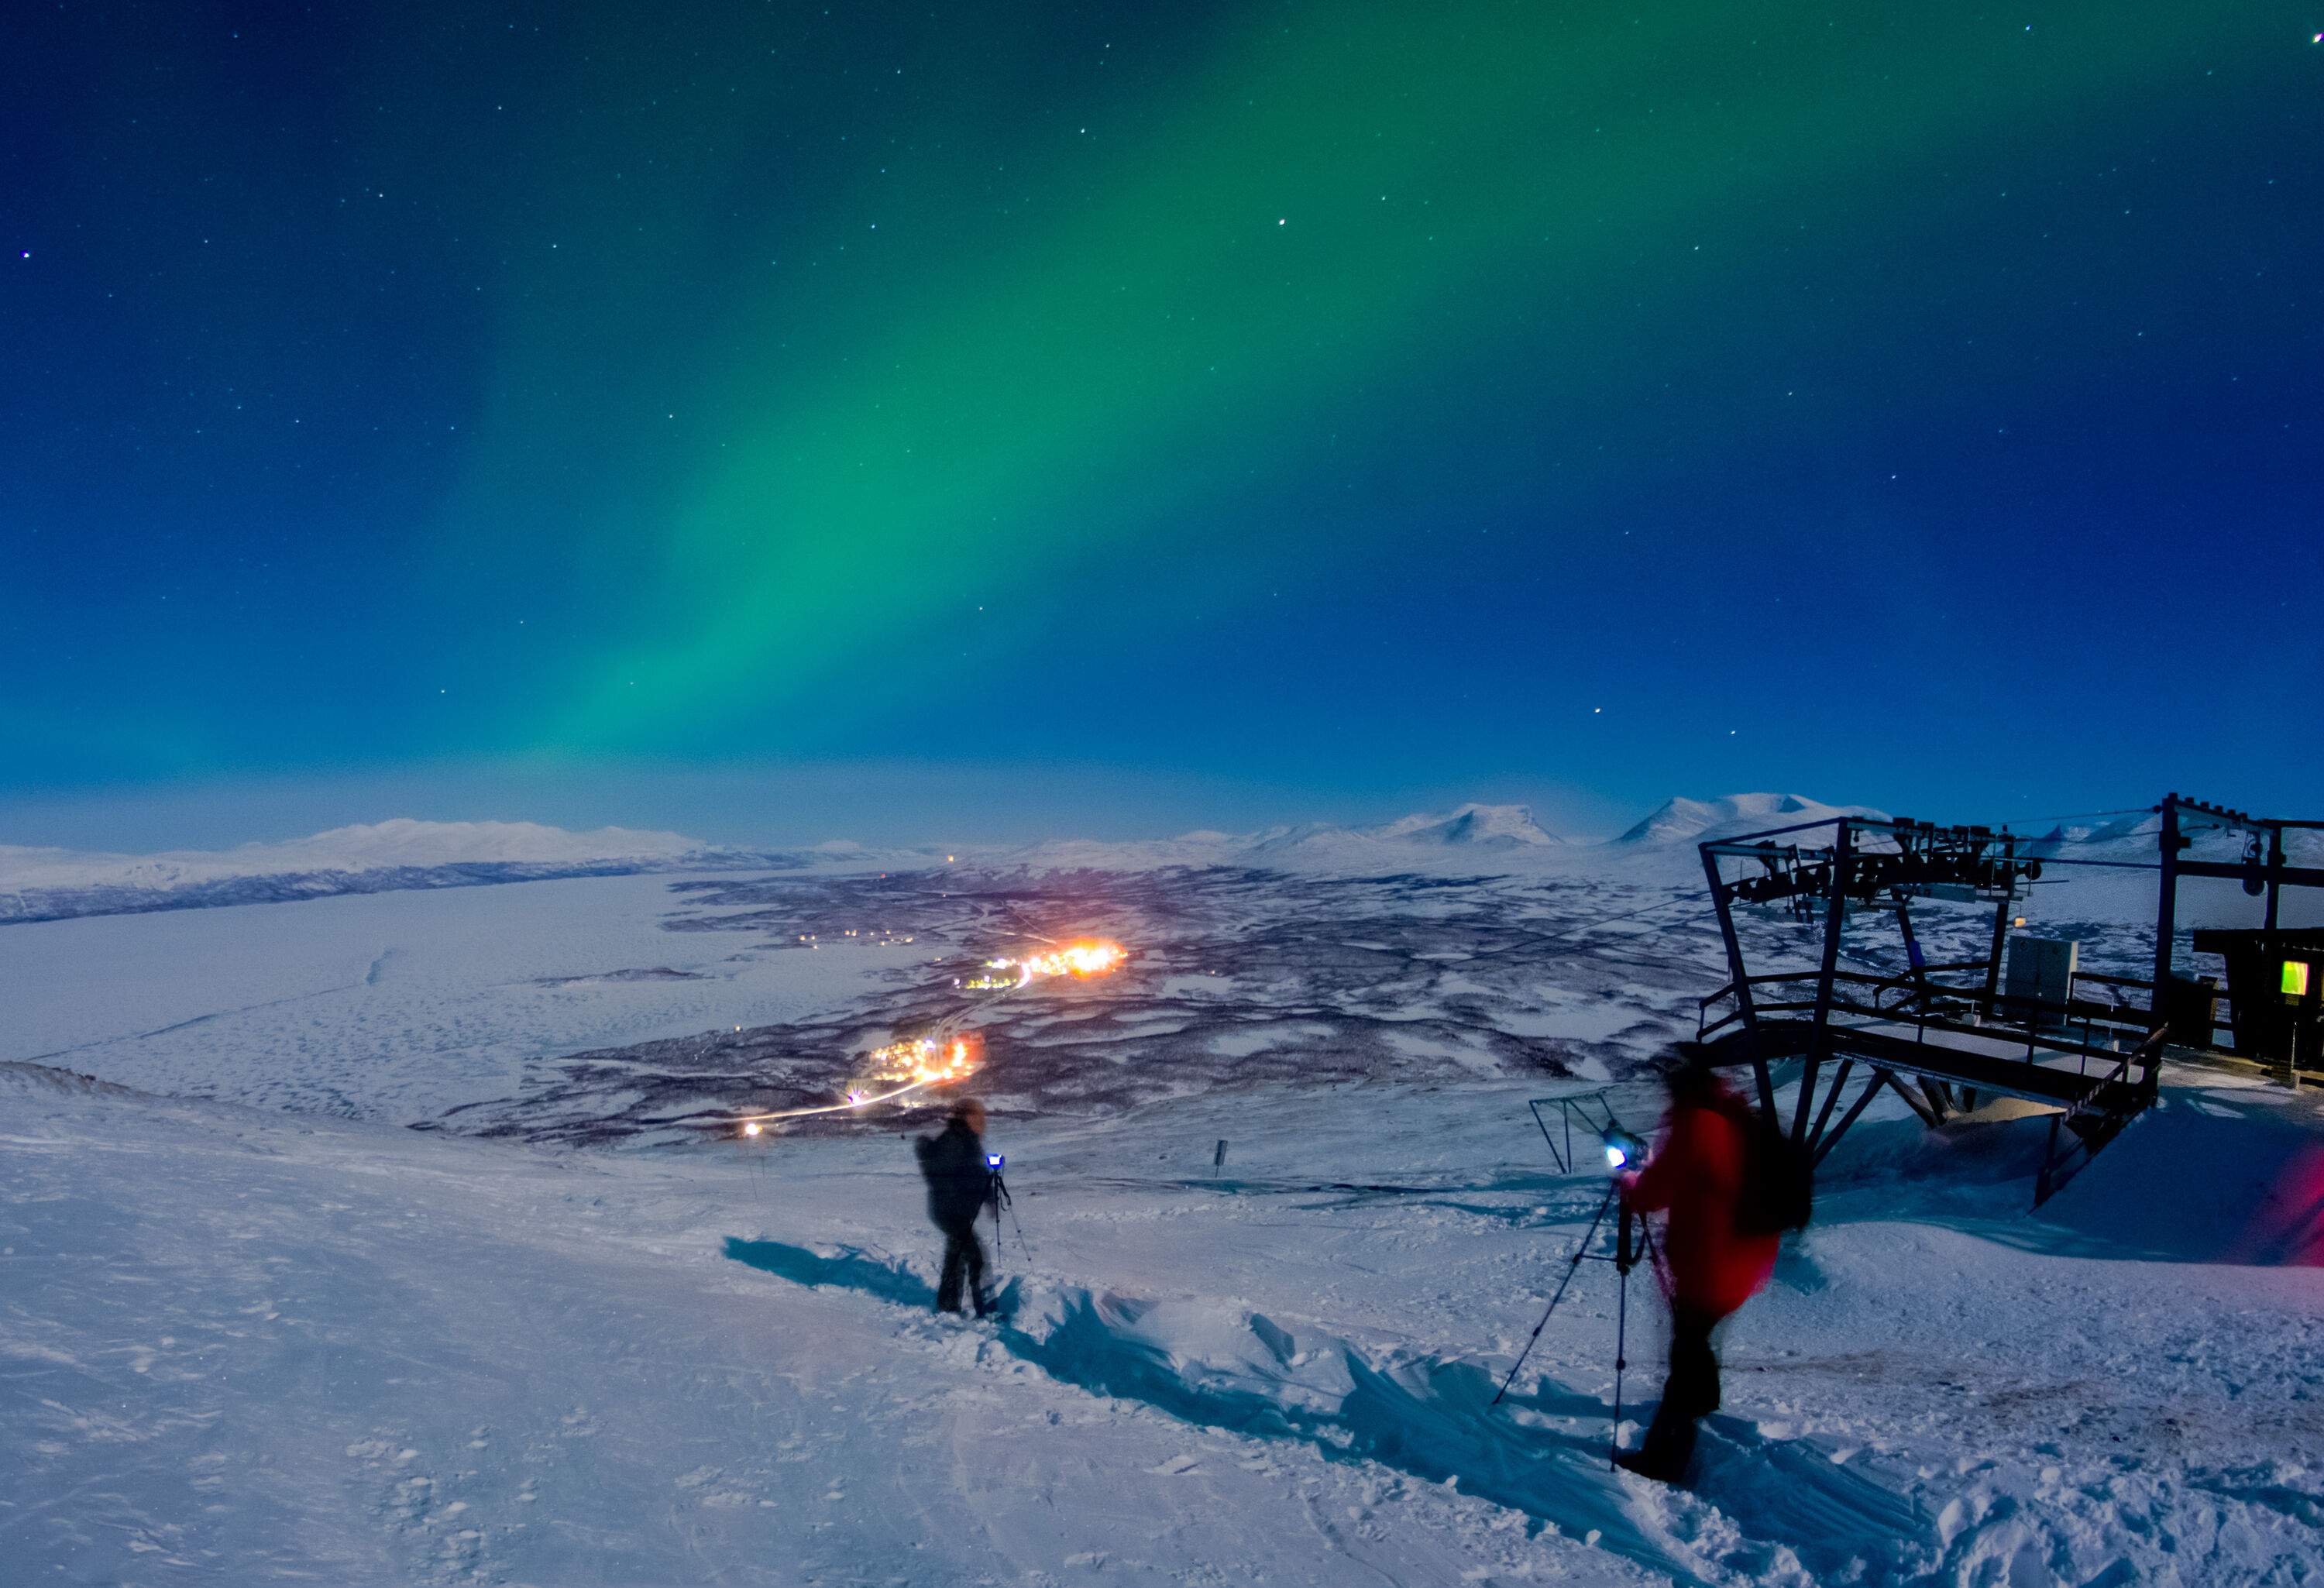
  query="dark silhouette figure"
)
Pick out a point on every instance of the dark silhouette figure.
point(959, 1186)
point(1697, 1177)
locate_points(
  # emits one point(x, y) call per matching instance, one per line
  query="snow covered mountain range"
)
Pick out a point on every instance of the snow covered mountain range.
point(47, 884)
point(1470, 827)
point(50, 884)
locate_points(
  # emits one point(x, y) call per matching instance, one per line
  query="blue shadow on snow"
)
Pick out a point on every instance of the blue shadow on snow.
point(1433, 1420)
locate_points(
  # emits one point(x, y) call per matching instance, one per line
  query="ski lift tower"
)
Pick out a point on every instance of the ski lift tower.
point(1943, 1036)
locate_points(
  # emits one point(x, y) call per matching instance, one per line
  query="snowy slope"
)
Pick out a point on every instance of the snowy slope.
point(243, 1346)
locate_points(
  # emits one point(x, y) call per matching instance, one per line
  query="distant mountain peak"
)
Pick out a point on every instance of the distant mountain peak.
point(1496, 826)
point(1682, 820)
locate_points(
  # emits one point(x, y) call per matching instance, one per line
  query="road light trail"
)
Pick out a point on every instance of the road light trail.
point(854, 1100)
point(919, 1057)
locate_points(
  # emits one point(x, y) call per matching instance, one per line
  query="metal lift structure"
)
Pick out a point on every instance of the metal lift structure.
point(1944, 1036)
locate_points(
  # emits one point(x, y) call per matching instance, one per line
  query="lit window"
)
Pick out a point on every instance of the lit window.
point(2295, 978)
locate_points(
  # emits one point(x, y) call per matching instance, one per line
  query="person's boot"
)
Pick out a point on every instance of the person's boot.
point(1668, 1448)
point(1644, 1464)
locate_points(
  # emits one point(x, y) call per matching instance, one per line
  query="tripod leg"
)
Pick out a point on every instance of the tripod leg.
point(1621, 1346)
point(1573, 1266)
point(1000, 1199)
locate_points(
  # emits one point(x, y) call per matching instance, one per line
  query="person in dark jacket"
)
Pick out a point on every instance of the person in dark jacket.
point(959, 1186)
point(1696, 1178)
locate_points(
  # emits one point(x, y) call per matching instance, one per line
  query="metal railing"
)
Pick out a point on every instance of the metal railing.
point(2094, 1118)
point(2047, 1028)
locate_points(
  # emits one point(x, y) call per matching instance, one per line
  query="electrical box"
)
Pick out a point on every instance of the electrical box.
point(2039, 976)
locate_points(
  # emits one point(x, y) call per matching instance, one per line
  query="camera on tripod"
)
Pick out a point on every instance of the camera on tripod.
point(1625, 1150)
point(997, 1197)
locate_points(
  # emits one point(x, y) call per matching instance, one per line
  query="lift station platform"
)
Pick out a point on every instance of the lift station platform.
point(2086, 1045)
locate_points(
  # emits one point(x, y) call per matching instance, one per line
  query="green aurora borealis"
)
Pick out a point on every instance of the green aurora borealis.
point(1356, 392)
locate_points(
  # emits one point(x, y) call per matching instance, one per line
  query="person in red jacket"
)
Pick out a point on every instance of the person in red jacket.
point(1711, 1267)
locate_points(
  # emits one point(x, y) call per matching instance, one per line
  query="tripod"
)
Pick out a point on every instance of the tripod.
point(1000, 1199)
point(1632, 1239)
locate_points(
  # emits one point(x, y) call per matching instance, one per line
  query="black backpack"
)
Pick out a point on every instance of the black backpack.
point(1778, 1181)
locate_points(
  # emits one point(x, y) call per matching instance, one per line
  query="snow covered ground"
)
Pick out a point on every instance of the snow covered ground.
point(393, 1006)
point(251, 1327)
point(239, 1346)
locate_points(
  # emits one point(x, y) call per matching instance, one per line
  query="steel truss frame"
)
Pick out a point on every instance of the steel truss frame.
point(1939, 1043)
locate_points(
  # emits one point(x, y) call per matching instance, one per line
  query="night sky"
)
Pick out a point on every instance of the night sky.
point(1132, 417)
